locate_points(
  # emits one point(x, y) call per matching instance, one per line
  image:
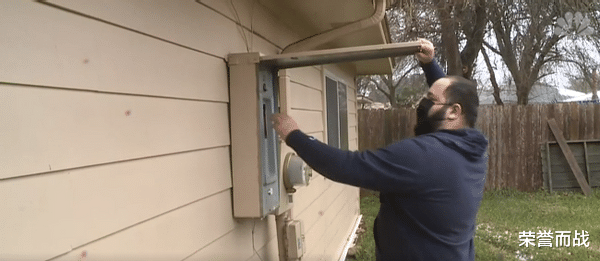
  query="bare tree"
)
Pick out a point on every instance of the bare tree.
point(451, 25)
point(521, 32)
point(525, 36)
point(583, 64)
point(389, 85)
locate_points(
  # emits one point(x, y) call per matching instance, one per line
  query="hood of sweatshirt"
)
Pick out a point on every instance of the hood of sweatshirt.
point(469, 142)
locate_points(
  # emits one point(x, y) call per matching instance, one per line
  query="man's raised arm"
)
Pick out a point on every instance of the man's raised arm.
point(432, 70)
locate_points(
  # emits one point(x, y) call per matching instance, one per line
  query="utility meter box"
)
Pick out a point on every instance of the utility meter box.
point(295, 172)
point(296, 246)
point(254, 147)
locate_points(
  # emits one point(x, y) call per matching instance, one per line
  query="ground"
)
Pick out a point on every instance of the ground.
point(504, 215)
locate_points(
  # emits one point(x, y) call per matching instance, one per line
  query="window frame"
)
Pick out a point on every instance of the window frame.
point(339, 139)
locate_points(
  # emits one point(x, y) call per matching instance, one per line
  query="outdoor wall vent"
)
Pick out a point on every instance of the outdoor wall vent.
point(254, 97)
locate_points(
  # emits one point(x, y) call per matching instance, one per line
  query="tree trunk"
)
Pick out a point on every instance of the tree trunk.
point(594, 85)
point(449, 40)
point(522, 93)
point(388, 80)
point(474, 29)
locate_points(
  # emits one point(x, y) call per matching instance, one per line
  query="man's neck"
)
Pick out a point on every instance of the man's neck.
point(453, 125)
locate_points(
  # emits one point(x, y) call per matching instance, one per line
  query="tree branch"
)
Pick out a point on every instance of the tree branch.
point(493, 49)
point(496, 94)
point(405, 74)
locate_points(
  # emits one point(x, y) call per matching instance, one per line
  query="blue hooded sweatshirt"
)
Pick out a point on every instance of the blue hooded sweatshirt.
point(430, 188)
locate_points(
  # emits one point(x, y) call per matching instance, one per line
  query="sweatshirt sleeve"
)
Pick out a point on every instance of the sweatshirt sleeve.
point(433, 72)
point(391, 169)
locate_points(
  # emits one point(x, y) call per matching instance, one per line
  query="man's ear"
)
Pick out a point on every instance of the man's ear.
point(455, 111)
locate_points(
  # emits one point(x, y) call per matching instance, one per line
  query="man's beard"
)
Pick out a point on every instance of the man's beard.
point(428, 124)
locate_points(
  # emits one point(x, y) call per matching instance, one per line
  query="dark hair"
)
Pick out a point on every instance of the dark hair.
point(463, 92)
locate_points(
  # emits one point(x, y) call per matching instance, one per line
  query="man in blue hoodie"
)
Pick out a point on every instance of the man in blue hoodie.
point(430, 185)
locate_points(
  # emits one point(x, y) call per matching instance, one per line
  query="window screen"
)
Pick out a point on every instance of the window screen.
point(337, 113)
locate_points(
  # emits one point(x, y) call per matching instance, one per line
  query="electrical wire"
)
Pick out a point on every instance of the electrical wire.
point(254, 248)
point(252, 26)
point(239, 23)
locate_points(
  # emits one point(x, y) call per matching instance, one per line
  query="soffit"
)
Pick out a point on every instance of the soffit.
point(309, 17)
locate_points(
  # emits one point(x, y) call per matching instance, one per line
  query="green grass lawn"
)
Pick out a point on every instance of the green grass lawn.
point(505, 213)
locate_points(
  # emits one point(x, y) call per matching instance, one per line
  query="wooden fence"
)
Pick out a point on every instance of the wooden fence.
point(515, 134)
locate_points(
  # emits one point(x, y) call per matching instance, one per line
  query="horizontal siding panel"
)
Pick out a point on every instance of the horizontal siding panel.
point(352, 119)
point(265, 238)
point(184, 22)
point(351, 94)
point(172, 236)
point(47, 214)
point(222, 248)
point(313, 215)
point(261, 20)
point(308, 76)
point(268, 252)
point(351, 107)
point(328, 221)
point(339, 239)
point(44, 50)
point(308, 121)
point(240, 241)
point(305, 196)
point(352, 133)
point(335, 237)
point(353, 145)
point(189, 22)
point(87, 128)
point(306, 98)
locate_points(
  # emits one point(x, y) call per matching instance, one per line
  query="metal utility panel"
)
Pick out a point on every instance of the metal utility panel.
point(254, 152)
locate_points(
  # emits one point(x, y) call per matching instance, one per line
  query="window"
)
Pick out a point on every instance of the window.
point(337, 113)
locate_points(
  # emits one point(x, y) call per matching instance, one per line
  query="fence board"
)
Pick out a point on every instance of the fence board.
point(497, 146)
point(596, 121)
point(589, 129)
point(514, 132)
point(574, 121)
point(539, 134)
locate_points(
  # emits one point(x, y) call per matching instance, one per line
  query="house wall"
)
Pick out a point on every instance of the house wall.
point(114, 131)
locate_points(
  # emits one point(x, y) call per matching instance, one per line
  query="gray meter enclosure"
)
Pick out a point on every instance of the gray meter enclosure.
point(254, 145)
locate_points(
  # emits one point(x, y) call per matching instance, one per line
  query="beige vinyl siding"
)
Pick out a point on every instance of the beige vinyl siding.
point(306, 98)
point(84, 128)
point(308, 121)
point(340, 213)
point(352, 114)
point(54, 48)
point(114, 131)
point(328, 209)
